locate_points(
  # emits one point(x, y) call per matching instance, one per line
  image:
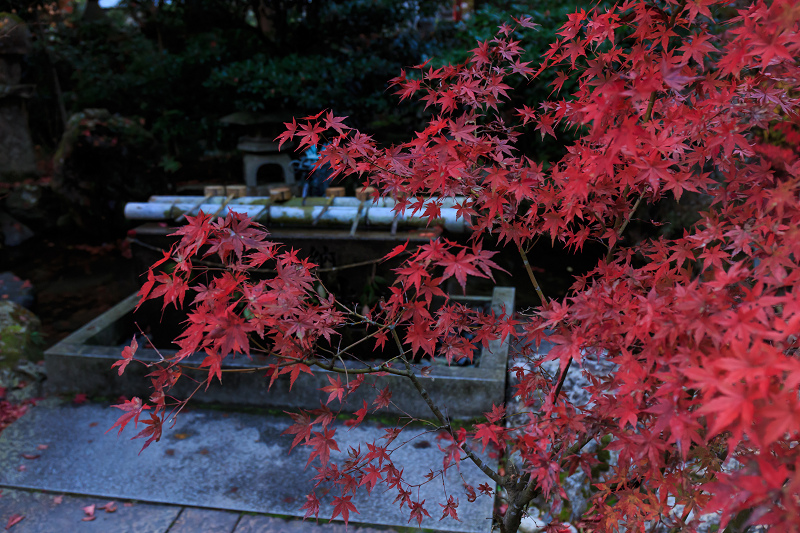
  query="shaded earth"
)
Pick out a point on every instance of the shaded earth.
point(73, 282)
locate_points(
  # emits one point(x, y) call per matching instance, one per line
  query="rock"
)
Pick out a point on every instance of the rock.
point(20, 336)
point(24, 382)
point(34, 205)
point(532, 523)
point(13, 231)
point(16, 290)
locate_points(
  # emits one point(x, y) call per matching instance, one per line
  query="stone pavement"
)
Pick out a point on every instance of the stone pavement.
point(50, 513)
point(212, 471)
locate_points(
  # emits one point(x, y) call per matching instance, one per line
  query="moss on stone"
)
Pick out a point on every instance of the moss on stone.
point(19, 334)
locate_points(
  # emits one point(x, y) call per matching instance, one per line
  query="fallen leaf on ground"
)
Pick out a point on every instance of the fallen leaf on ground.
point(15, 519)
point(110, 507)
point(22, 468)
point(58, 499)
point(89, 509)
point(80, 398)
point(42, 447)
point(31, 455)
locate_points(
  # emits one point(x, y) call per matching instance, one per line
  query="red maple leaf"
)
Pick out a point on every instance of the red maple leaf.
point(450, 509)
point(342, 506)
point(294, 371)
point(323, 443)
point(485, 489)
point(152, 432)
point(372, 474)
point(489, 433)
point(397, 250)
point(301, 429)
point(384, 398)
point(336, 389)
point(360, 414)
point(127, 356)
point(133, 408)
point(417, 511)
point(311, 506)
point(336, 123)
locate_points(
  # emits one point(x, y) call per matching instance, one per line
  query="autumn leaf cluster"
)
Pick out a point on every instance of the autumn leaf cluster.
point(699, 333)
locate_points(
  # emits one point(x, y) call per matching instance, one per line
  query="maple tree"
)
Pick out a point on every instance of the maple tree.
point(699, 333)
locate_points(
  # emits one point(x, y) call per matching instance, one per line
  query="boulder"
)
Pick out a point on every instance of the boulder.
point(12, 231)
point(20, 336)
point(16, 290)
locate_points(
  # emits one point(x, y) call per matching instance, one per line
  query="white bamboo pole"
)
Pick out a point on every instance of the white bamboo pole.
point(301, 215)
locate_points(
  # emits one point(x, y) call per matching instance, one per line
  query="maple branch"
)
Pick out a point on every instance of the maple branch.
point(339, 352)
point(621, 225)
point(531, 275)
point(561, 378)
point(369, 370)
point(578, 446)
point(650, 104)
point(443, 420)
point(630, 214)
point(174, 415)
point(678, 10)
point(221, 266)
point(519, 497)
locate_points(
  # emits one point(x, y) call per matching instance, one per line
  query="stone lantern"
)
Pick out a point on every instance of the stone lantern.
point(258, 149)
point(16, 147)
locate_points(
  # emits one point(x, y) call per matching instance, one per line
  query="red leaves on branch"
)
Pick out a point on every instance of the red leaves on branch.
point(687, 345)
point(133, 409)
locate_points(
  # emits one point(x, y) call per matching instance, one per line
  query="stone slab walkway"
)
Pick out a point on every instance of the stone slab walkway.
point(210, 460)
point(50, 513)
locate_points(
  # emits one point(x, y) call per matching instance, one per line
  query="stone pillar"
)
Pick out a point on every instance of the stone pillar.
point(16, 147)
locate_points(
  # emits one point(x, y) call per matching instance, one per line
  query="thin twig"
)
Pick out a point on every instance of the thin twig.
point(443, 420)
point(203, 262)
point(532, 277)
point(561, 378)
point(622, 226)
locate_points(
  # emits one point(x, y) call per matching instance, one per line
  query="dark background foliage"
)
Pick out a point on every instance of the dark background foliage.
point(182, 65)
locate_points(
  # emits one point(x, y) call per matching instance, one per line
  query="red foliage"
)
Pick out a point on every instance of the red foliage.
point(10, 412)
point(700, 404)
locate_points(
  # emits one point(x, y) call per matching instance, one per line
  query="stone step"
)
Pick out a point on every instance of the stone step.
point(214, 459)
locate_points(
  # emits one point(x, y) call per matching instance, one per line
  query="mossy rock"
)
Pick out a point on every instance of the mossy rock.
point(20, 336)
